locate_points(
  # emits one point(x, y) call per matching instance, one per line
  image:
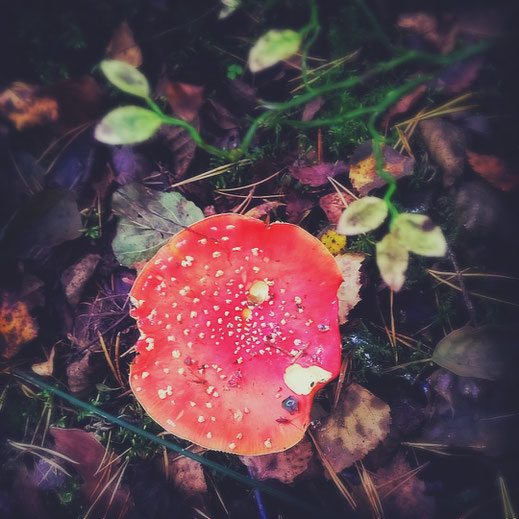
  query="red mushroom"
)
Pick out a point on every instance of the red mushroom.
point(239, 330)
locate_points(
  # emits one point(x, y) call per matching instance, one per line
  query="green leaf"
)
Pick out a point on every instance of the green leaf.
point(148, 219)
point(392, 260)
point(486, 352)
point(274, 46)
point(362, 216)
point(127, 125)
point(126, 78)
point(419, 234)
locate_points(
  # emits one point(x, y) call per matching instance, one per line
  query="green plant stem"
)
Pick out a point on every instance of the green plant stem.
point(174, 447)
point(382, 36)
point(312, 28)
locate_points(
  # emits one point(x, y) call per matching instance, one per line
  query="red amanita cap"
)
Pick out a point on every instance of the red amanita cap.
point(239, 330)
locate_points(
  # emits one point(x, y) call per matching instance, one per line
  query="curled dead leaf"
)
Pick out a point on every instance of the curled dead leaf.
point(122, 46)
point(348, 293)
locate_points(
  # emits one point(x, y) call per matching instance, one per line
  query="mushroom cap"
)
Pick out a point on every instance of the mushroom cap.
point(239, 330)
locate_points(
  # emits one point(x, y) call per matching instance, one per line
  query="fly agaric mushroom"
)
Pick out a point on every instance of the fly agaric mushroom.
point(239, 331)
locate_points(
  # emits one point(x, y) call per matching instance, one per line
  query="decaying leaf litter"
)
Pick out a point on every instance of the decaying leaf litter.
point(422, 415)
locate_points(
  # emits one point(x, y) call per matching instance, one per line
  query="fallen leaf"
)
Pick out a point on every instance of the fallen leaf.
point(494, 170)
point(459, 76)
point(446, 144)
point(187, 475)
point(122, 46)
point(333, 241)
point(80, 373)
point(317, 175)
point(129, 165)
point(45, 369)
point(298, 207)
point(284, 466)
point(363, 173)
point(404, 104)
point(362, 216)
point(487, 352)
point(359, 422)
point(23, 105)
point(348, 293)
point(274, 46)
point(401, 491)
point(75, 277)
point(392, 260)
point(181, 145)
point(185, 99)
point(147, 221)
point(17, 326)
point(333, 205)
point(88, 453)
point(263, 209)
point(312, 107)
point(47, 219)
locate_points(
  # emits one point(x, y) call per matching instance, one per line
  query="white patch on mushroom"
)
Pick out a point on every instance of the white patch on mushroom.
point(268, 443)
point(187, 262)
point(145, 374)
point(201, 419)
point(203, 241)
point(162, 394)
point(176, 354)
point(171, 422)
point(216, 254)
point(193, 314)
point(232, 446)
point(303, 380)
point(209, 435)
point(218, 273)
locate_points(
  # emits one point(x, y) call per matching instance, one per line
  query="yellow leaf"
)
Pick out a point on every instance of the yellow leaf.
point(45, 369)
point(333, 241)
point(17, 327)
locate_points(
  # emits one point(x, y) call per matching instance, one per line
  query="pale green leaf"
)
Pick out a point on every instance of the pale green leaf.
point(127, 125)
point(274, 46)
point(419, 234)
point(362, 215)
point(392, 260)
point(126, 78)
point(148, 219)
point(228, 7)
point(486, 352)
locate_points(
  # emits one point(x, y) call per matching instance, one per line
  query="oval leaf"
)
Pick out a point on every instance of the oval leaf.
point(419, 234)
point(363, 215)
point(147, 220)
point(392, 259)
point(125, 77)
point(486, 352)
point(127, 125)
point(272, 47)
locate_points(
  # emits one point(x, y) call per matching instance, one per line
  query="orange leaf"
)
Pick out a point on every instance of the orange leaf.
point(185, 99)
point(17, 327)
point(494, 170)
point(24, 107)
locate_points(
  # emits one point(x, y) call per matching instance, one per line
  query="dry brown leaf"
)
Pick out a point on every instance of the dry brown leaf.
point(363, 172)
point(187, 475)
point(333, 205)
point(122, 46)
point(446, 144)
point(494, 170)
point(359, 422)
point(17, 326)
point(75, 277)
point(348, 292)
point(402, 491)
point(24, 107)
point(185, 99)
point(80, 373)
point(45, 369)
point(263, 209)
point(284, 466)
point(88, 453)
point(181, 145)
